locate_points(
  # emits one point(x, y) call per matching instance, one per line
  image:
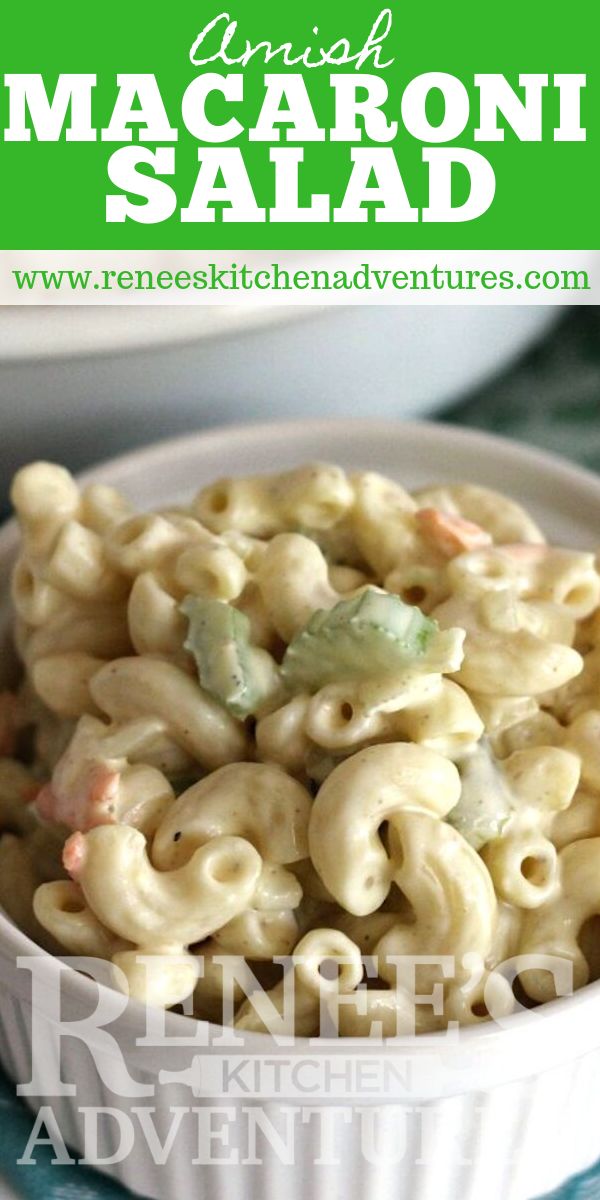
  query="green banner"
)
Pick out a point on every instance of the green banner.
point(329, 126)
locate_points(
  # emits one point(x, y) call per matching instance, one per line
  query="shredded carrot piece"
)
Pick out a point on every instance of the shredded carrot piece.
point(90, 803)
point(450, 534)
point(74, 854)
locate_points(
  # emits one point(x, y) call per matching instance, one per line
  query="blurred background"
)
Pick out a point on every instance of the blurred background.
point(82, 384)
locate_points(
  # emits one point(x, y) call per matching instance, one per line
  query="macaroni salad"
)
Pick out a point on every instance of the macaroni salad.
point(310, 716)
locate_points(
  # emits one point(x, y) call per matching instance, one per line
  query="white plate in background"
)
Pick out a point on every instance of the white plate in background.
point(45, 332)
point(67, 331)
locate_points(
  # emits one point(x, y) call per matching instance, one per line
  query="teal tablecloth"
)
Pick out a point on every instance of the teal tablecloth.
point(550, 399)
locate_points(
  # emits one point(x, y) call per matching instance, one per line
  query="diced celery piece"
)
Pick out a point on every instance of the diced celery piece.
point(373, 634)
point(486, 801)
point(239, 675)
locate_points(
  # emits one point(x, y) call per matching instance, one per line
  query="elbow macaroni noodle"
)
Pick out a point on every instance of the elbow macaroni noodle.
point(147, 821)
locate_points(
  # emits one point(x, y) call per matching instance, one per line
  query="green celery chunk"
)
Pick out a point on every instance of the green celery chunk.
point(486, 800)
point(241, 676)
point(373, 634)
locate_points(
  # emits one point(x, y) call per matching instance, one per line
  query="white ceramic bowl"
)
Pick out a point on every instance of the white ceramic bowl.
point(504, 1114)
